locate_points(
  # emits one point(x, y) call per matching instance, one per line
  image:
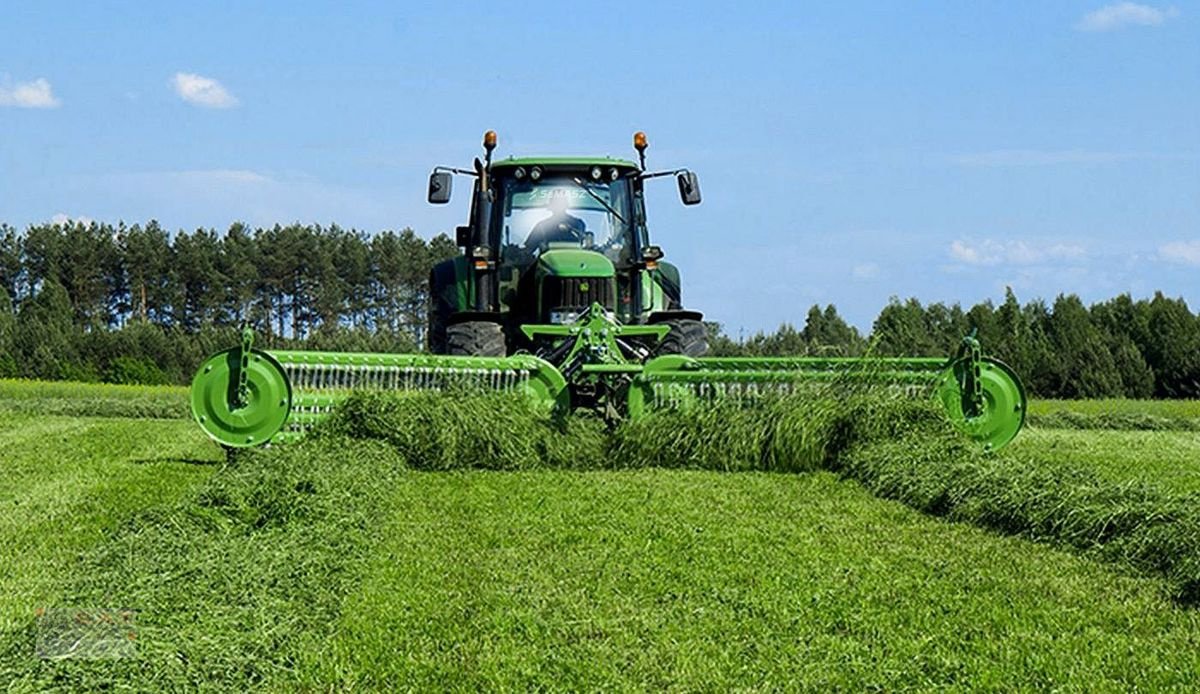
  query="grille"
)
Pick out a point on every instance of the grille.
point(577, 293)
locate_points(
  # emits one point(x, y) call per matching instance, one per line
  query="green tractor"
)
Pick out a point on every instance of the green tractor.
point(560, 296)
point(557, 263)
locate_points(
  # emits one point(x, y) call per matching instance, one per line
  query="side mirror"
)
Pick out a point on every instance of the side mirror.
point(439, 187)
point(689, 188)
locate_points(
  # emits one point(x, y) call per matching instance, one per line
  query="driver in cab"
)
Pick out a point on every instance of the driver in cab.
point(559, 226)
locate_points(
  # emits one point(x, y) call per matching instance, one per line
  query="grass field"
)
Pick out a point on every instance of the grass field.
point(66, 481)
point(333, 565)
point(1177, 409)
point(1168, 459)
point(93, 399)
point(1143, 415)
point(702, 580)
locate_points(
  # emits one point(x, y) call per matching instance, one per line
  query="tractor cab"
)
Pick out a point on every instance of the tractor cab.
point(564, 234)
point(551, 239)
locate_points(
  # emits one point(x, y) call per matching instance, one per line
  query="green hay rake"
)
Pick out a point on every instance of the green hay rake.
point(559, 296)
point(247, 396)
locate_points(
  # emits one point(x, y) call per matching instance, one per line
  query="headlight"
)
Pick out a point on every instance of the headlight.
point(596, 173)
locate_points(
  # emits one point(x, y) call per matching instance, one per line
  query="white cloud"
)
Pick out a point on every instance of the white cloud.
point(220, 176)
point(1123, 14)
point(202, 91)
point(989, 252)
point(62, 219)
point(214, 197)
point(964, 253)
point(1183, 252)
point(35, 94)
point(865, 271)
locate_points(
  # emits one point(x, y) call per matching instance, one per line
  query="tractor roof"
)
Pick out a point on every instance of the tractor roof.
point(565, 162)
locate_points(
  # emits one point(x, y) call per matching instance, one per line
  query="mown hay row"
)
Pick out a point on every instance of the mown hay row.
point(1118, 421)
point(1136, 524)
point(492, 431)
point(234, 585)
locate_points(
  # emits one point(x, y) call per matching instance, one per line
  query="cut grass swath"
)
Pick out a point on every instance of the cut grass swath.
point(494, 431)
point(232, 584)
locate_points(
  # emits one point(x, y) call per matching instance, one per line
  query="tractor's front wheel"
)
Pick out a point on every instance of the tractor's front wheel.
point(687, 337)
point(475, 339)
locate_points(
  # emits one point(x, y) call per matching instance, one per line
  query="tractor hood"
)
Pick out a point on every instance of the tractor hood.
point(575, 262)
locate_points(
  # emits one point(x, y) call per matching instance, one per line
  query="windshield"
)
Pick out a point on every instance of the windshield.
point(556, 209)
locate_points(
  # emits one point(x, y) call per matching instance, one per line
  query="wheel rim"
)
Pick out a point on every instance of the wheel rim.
point(1004, 403)
point(268, 401)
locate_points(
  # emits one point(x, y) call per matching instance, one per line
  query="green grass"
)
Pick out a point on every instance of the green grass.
point(65, 482)
point(686, 580)
point(233, 582)
point(1133, 415)
point(335, 565)
point(329, 566)
point(1168, 459)
point(1180, 409)
point(700, 580)
point(93, 399)
point(1148, 527)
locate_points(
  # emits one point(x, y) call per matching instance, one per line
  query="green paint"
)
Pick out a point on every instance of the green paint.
point(249, 418)
point(290, 391)
point(680, 382)
point(462, 283)
point(575, 262)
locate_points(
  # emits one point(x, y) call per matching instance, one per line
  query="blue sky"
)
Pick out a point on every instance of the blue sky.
point(847, 151)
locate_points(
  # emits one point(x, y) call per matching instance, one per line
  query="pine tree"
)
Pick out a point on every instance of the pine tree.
point(8, 329)
point(901, 330)
point(1084, 365)
point(146, 264)
point(825, 331)
point(11, 265)
point(46, 334)
point(237, 264)
point(1173, 348)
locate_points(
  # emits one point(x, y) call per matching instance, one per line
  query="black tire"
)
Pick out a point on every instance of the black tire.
point(687, 337)
point(436, 335)
point(475, 339)
point(442, 304)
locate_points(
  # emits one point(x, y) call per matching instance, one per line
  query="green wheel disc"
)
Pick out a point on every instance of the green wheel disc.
point(268, 402)
point(1004, 402)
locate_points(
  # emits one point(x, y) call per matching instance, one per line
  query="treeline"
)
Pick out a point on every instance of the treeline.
point(138, 304)
point(1116, 348)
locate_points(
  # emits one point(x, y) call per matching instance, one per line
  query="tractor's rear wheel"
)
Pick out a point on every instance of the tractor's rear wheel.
point(475, 339)
point(687, 337)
